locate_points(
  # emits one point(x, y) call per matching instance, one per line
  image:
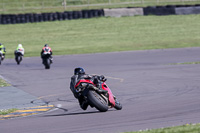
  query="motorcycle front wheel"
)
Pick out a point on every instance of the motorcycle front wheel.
point(118, 105)
point(97, 101)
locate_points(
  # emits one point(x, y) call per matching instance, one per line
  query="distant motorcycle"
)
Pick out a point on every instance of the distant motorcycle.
point(46, 57)
point(102, 99)
point(1, 57)
point(18, 57)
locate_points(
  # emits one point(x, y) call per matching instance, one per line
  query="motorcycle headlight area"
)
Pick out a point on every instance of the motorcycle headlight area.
point(84, 85)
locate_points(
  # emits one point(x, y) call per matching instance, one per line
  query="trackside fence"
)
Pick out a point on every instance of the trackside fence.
point(65, 4)
point(117, 12)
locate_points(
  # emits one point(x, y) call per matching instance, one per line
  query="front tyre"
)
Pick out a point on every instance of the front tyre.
point(118, 105)
point(97, 101)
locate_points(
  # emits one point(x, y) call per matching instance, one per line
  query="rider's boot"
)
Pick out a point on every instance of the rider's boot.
point(2, 57)
point(51, 59)
point(83, 104)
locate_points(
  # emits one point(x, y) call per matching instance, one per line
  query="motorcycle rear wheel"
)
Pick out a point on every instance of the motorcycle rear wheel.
point(47, 64)
point(18, 58)
point(97, 101)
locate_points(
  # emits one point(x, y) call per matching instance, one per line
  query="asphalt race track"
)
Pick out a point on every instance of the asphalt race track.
point(154, 93)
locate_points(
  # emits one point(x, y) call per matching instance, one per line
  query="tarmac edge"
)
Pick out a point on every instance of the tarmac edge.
point(27, 112)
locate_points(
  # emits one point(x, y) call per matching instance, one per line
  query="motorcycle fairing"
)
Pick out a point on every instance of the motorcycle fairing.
point(111, 97)
point(104, 87)
point(83, 81)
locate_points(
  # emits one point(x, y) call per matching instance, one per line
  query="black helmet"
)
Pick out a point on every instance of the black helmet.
point(0, 44)
point(79, 70)
point(46, 45)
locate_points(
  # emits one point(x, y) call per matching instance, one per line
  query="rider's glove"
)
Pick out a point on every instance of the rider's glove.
point(102, 78)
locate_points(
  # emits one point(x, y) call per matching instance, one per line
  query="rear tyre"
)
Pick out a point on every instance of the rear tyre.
point(18, 59)
point(47, 64)
point(47, 67)
point(97, 101)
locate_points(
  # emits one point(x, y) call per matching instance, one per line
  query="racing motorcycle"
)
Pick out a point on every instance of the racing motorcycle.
point(18, 57)
point(46, 57)
point(99, 97)
point(1, 56)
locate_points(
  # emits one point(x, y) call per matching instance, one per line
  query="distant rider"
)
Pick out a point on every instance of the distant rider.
point(3, 50)
point(79, 73)
point(46, 49)
point(19, 49)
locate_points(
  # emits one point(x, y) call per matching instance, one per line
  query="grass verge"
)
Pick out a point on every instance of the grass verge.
point(185, 63)
point(7, 111)
point(3, 83)
point(188, 128)
point(103, 34)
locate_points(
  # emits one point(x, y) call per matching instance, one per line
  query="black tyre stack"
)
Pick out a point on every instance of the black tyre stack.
point(57, 16)
point(159, 10)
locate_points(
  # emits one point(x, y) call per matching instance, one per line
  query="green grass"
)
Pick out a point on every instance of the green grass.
point(185, 63)
point(3, 83)
point(103, 34)
point(7, 111)
point(188, 128)
point(38, 6)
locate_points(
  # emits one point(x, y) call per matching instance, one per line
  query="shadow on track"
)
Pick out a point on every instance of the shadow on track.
point(77, 113)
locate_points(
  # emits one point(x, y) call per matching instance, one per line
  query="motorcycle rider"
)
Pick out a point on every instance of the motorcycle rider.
point(47, 49)
point(79, 73)
point(3, 50)
point(19, 49)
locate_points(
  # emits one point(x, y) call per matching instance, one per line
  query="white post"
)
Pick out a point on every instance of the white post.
point(23, 5)
point(65, 3)
point(88, 2)
point(142, 1)
point(3, 6)
point(43, 5)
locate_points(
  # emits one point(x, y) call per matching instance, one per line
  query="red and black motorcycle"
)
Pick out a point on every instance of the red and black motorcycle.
point(99, 97)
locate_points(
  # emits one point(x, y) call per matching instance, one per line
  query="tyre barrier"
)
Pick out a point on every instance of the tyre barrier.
point(58, 16)
point(172, 10)
point(159, 10)
point(118, 12)
point(188, 10)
